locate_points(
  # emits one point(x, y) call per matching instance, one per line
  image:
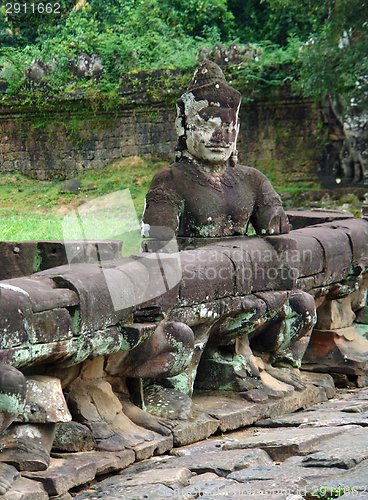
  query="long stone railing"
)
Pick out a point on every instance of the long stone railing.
point(68, 313)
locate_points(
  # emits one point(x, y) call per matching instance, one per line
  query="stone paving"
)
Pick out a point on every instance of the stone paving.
point(300, 447)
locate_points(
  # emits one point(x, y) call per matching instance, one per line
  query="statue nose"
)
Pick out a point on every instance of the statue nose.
point(218, 135)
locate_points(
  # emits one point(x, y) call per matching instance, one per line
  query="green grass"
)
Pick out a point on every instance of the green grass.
point(36, 210)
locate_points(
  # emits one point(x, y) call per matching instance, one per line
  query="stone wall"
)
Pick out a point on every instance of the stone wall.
point(279, 137)
point(282, 138)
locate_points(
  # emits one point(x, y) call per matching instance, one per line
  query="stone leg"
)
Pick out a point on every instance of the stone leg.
point(100, 397)
point(12, 394)
point(286, 335)
point(7, 475)
point(12, 401)
point(277, 339)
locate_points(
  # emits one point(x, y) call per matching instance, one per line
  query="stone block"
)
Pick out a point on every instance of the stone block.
point(19, 258)
point(25, 489)
point(334, 314)
point(105, 298)
point(194, 429)
point(73, 437)
point(178, 476)
point(341, 350)
point(42, 293)
point(302, 253)
point(62, 475)
point(222, 462)
point(52, 326)
point(303, 218)
point(16, 319)
point(336, 248)
point(45, 401)
point(343, 451)
point(290, 478)
point(281, 443)
point(27, 446)
point(206, 275)
point(158, 446)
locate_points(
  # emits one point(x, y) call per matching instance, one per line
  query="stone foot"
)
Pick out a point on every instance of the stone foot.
point(93, 402)
point(290, 376)
point(144, 419)
point(7, 475)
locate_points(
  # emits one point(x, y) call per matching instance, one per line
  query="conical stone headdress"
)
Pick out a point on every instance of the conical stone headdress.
point(208, 88)
point(209, 83)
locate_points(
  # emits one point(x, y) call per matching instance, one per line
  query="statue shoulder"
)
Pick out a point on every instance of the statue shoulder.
point(165, 176)
point(251, 172)
point(260, 185)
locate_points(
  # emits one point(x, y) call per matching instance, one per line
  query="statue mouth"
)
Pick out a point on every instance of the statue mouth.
point(217, 148)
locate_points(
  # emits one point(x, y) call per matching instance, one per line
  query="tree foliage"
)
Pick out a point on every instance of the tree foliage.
point(320, 45)
point(334, 59)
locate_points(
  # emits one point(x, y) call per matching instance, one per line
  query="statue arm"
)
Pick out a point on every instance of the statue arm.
point(268, 216)
point(162, 210)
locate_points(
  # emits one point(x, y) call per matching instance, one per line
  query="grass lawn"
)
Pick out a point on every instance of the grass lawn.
point(37, 210)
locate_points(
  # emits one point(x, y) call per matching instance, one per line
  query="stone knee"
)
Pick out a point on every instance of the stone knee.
point(166, 353)
point(295, 318)
point(303, 313)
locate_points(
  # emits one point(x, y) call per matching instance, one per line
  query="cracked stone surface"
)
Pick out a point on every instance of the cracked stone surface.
point(290, 456)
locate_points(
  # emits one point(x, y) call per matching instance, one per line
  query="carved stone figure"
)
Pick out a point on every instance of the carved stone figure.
point(207, 194)
point(344, 160)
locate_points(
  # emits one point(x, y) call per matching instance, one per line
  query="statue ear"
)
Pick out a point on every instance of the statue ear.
point(180, 121)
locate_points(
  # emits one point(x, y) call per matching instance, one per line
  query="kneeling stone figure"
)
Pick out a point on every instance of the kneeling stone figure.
point(207, 194)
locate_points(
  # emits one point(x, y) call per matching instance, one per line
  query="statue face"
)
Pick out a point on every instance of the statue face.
point(211, 134)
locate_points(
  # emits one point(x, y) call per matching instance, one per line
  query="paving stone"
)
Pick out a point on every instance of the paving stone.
point(283, 443)
point(355, 479)
point(211, 444)
point(215, 489)
point(112, 490)
point(353, 494)
point(343, 451)
point(317, 418)
point(292, 478)
point(76, 469)
point(106, 462)
point(177, 476)
point(64, 496)
point(345, 404)
point(220, 462)
point(25, 489)
point(234, 413)
point(195, 429)
point(157, 446)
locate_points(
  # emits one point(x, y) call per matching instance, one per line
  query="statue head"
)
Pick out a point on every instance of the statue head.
point(207, 116)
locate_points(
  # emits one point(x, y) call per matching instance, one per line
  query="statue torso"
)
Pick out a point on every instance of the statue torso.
point(217, 203)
